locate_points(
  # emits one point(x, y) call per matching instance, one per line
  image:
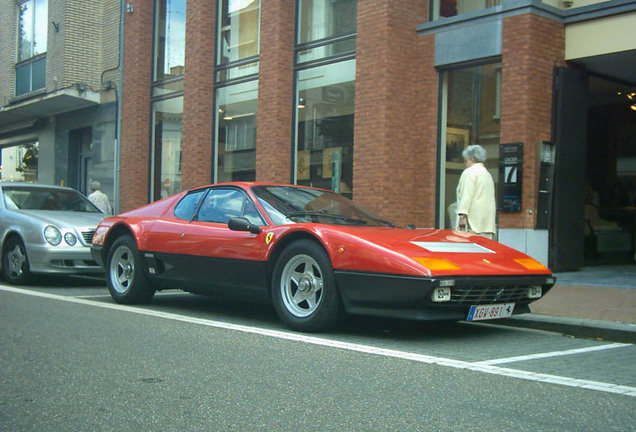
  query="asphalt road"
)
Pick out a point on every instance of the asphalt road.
point(72, 360)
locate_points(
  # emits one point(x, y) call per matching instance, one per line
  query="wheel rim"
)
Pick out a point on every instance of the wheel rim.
point(16, 260)
point(301, 285)
point(122, 269)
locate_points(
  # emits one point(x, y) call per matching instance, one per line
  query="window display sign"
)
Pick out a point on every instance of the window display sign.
point(510, 177)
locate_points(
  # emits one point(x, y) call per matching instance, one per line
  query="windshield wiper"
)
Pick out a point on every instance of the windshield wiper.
point(329, 215)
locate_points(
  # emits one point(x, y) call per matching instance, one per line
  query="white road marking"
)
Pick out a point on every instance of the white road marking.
point(367, 349)
point(553, 354)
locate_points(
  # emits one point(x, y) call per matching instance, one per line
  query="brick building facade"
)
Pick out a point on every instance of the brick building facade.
point(399, 87)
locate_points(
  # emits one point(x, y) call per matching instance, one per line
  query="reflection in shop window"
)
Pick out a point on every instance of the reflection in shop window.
point(239, 30)
point(472, 99)
point(332, 23)
point(20, 163)
point(170, 31)
point(236, 132)
point(449, 8)
point(166, 157)
point(319, 19)
point(324, 127)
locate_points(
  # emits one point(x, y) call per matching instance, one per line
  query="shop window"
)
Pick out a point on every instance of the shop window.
point(19, 163)
point(167, 118)
point(236, 108)
point(319, 19)
point(326, 29)
point(167, 97)
point(32, 40)
point(449, 8)
point(238, 33)
point(324, 126)
point(470, 113)
point(170, 31)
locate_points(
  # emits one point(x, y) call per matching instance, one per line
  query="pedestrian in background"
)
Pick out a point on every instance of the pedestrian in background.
point(476, 194)
point(99, 198)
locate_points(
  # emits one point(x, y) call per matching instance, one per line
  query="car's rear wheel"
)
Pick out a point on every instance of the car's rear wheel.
point(304, 289)
point(15, 263)
point(125, 277)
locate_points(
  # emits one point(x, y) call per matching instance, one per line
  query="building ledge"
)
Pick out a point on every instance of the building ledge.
point(37, 105)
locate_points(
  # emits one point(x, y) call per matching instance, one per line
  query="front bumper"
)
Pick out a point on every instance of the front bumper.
point(96, 253)
point(62, 260)
point(411, 296)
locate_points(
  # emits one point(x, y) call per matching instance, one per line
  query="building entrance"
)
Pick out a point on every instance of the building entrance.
point(593, 217)
point(610, 173)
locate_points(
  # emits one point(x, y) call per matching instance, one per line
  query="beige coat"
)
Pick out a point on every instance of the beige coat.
point(476, 198)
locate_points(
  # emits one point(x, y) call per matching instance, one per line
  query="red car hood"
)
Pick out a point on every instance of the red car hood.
point(426, 252)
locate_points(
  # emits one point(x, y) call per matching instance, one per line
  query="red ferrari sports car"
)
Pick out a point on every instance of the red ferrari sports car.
point(315, 254)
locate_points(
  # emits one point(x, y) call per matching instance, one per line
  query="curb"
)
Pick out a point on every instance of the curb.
point(584, 328)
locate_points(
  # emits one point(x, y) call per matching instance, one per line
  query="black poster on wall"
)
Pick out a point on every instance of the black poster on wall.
point(510, 177)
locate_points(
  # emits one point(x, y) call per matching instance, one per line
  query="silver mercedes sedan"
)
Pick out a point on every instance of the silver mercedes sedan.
point(45, 229)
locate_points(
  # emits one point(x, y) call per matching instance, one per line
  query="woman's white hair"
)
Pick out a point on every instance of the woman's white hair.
point(476, 153)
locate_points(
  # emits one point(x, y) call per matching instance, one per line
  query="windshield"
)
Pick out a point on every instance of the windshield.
point(289, 204)
point(28, 198)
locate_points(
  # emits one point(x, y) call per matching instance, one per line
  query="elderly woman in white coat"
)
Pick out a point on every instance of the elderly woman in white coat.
point(476, 194)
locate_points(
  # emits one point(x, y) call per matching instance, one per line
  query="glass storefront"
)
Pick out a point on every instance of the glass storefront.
point(324, 126)
point(236, 93)
point(236, 108)
point(167, 118)
point(325, 90)
point(167, 98)
point(470, 113)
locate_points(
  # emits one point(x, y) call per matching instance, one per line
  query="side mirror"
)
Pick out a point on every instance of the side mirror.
point(242, 224)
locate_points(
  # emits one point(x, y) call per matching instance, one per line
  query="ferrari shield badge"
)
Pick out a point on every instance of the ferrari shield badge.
point(268, 238)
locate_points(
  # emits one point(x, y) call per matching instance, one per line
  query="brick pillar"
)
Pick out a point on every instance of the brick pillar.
point(387, 132)
point(425, 123)
point(135, 94)
point(198, 92)
point(275, 94)
point(531, 47)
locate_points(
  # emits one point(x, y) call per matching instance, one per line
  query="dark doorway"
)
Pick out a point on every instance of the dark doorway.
point(79, 159)
point(610, 174)
point(593, 218)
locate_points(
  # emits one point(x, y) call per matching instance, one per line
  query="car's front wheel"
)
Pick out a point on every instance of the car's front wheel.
point(126, 280)
point(304, 290)
point(15, 263)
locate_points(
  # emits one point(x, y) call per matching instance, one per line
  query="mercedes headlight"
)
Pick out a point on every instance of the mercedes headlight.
point(52, 235)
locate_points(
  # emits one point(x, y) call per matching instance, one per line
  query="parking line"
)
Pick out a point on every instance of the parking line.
point(367, 349)
point(553, 354)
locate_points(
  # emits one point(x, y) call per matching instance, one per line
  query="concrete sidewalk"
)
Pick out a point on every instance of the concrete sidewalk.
point(594, 302)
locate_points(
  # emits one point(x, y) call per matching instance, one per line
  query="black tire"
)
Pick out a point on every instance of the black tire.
point(15, 262)
point(125, 277)
point(304, 288)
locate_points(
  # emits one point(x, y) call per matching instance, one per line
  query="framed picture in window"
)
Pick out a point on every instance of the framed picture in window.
point(457, 140)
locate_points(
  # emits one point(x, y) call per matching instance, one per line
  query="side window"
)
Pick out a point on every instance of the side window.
point(185, 208)
point(219, 205)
